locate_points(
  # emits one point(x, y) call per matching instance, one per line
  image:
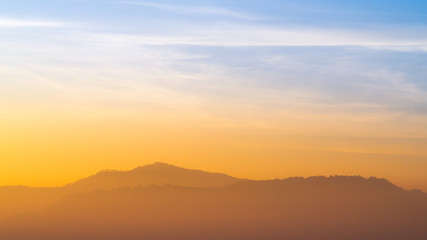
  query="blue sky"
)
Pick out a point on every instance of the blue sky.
point(364, 58)
point(279, 11)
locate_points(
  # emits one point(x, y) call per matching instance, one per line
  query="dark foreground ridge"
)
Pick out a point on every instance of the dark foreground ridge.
point(315, 208)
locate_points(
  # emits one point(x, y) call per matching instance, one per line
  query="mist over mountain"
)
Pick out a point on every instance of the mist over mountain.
point(157, 173)
point(15, 199)
point(161, 201)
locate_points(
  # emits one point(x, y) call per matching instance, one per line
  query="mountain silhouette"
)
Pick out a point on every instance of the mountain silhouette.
point(333, 208)
point(14, 199)
point(157, 174)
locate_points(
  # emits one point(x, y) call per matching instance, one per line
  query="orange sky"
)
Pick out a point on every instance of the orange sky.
point(50, 147)
point(253, 89)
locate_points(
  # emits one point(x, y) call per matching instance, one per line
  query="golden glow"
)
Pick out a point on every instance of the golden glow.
point(51, 147)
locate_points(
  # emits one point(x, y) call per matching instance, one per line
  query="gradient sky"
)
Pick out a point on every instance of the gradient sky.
point(259, 89)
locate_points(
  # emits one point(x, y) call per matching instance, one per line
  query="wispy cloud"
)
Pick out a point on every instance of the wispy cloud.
point(257, 35)
point(14, 23)
point(204, 10)
point(267, 87)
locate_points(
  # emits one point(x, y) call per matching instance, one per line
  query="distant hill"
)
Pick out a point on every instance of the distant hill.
point(157, 174)
point(320, 208)
point(20, 199)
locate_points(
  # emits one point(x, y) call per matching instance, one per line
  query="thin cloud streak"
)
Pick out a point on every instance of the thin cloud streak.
point(234, 35)
point(16, 23)
point(183, 9)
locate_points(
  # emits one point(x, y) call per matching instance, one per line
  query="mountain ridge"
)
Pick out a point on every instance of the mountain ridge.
point(156, 173)
point(333, 208)
point(15, 199)
point(162, 166)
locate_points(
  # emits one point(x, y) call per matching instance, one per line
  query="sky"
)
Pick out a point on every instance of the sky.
point(255, 89)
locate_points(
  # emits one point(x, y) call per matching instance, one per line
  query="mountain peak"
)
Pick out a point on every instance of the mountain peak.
point(159, 165)
point(158, 168)
point(158, 173)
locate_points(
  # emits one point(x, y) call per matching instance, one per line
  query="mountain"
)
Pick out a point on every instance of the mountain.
point(333, 208)
point(154, 174)
point(15, 199)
